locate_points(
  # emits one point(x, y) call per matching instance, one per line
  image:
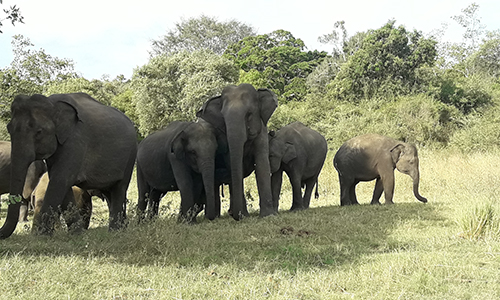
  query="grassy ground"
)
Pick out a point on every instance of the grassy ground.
point(448, 248)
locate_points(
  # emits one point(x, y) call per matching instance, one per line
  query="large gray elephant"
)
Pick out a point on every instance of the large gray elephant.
point(240, 115)
point(372, 156)
point(35, 171)
point(179, 157)
point(83, 201)
point(300, 152)
point(83, 143)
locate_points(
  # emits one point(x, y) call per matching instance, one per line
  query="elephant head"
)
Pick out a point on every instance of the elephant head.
point(241, 114)
point(405, 158)
point(196, 146)
point(279, 151)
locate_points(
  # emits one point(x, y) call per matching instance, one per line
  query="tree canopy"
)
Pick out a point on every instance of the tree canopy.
point(277, 61)
point(201, 33)
point(173, 87)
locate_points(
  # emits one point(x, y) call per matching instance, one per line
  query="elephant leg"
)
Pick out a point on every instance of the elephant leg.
point(310, 183)
point(185, 183)
point(388, 185)
point(85, 208)
point(71, 213)
point(262, 174)
point(217, 200)
point(352, 193)
point(377, 191)
point(276, 182)
point(23, 211)
point(118, 206)
point(144, 191)
point(297, 203)
point(153, 203)
point(345, 190)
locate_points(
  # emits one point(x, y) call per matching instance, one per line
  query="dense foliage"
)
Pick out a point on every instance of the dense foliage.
point(174, 87)
point(276, 61)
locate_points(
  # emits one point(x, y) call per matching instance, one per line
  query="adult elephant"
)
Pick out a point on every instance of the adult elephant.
point(83, 201)
point(372, 156)
point(240, 115)
point(83, 143)
point(35, 171)
point(179, 157)
point(300, 152)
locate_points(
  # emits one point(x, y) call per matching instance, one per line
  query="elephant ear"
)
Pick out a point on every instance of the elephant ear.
point(290, 153)
point(396, 152)
point(268, 103)
point(211, 112)
point(177, 147)
point(65, 119)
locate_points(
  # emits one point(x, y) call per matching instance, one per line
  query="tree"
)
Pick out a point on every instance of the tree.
point(201, 33)
point(385, 65)
point(174, 87)
point(13, 15)
point(38, 66)
point(277, 61)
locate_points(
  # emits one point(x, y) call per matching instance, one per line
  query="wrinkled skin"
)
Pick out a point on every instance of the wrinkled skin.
point(372, 156)
point(240, 115)
point(300, 152)
point(178, 157)
point(35, 171)
point(83, 201)
point(83, 143)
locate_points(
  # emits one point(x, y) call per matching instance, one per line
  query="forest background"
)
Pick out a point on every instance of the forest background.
point(390, 80)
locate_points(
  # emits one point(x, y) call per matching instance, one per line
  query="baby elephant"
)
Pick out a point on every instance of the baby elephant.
point(372, 156)
point(300, 152)
point(83, 201)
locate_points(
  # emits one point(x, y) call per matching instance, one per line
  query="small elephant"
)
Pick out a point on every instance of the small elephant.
point(83, 200)
point(35, 171)
point(179, 157)
point(300, 152)
point(372, 156)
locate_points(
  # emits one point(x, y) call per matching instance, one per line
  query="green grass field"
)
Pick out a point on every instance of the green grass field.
point(448, 248)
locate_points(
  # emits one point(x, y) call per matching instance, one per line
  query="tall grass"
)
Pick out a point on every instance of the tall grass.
point(408, 250)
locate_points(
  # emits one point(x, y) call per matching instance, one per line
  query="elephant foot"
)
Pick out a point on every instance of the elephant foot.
point(375, 202)
point(240, 215)
point(297, 207)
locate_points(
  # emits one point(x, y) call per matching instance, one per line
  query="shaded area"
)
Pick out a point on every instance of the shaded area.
point(317, 237)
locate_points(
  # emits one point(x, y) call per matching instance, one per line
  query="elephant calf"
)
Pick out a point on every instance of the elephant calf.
point(372, 156)
point(83, 201)
point(300, 152)
point(179, 157)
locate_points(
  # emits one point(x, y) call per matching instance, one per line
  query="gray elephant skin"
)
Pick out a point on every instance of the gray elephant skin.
point(240, 115)
point(83, 201)
point(35, 171)
point(372, 156)
point(178, 157)
point(83, 142)
point(300, 152)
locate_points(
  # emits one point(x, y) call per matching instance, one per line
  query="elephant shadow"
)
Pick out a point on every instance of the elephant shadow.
point(329, 236)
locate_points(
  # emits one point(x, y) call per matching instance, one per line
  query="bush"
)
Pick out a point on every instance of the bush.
point(417, 119)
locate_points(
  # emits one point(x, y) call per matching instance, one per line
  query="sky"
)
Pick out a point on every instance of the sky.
point(111, 37)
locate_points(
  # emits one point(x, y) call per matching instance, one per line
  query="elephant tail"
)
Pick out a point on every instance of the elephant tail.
point(316, 194)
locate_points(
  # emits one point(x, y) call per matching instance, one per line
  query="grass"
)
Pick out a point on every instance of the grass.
point(408, 250)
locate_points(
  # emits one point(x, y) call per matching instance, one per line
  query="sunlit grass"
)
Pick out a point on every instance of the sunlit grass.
point(409, 250)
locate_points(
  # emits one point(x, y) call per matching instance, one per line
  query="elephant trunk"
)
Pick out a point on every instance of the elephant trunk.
point(19, 169)
point(416, 182)
point(208, 174)
point(236, 136)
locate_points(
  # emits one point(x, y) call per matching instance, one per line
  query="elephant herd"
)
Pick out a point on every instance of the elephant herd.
point(87, 148)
